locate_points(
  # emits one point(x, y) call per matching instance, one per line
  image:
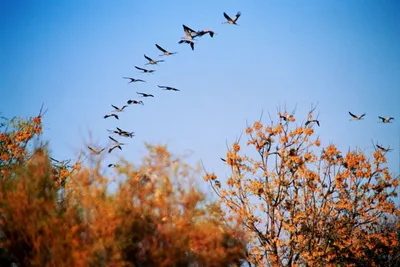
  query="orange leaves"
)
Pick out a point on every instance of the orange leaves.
point(308, 203)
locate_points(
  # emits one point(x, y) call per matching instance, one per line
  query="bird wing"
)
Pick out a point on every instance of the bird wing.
point(140, 80)
point(378, 146)
point(113, 139)
point(192, 45)
point(127, 78)
point(161, 86)
point(93, 150)
point(161, 49)
point(140, 93)
point(149, 59)
point(351, 114)
point(139, 68)
point(227, 17)
point(362, 115)
point(237, 16)
point(186, 28)
point(115, 107)
point(381, 118)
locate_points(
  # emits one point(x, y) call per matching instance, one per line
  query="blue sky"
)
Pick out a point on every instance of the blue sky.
point(72, 55)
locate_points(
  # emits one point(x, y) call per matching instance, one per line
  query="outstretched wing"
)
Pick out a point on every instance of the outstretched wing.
point(237, 16)
point(351, 114)
point(113, 139)
point(161, 49)
point(227, 17)
point(149, 59)
point(114, 106)
point(140, 68)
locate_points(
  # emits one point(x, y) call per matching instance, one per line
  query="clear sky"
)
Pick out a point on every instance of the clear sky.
point(72, 55)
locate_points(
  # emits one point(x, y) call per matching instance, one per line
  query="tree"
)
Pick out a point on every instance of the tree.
point(155, 217)
point(306, 205)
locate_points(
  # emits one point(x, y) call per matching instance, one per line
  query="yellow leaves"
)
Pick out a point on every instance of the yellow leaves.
point(257, 126)
point(278, 129)
point(317, 142)
point(249, 130)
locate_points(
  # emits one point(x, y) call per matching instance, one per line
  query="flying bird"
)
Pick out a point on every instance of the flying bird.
point(204, 32)
point(165, 52)
point(94, 151)
point(383, 149)
point(133, 80)
point(310, 121)
point(190, 33)
point(145, 95)
point(355, 117)
point(137, 102)
point(111, 115)
point(116, 145)
point(187, 42)
point(168, 88)
point(123, 133)
point(145, 70)
point(152, 61)
point(231, 20)
point(386, 120)
point(117, 109)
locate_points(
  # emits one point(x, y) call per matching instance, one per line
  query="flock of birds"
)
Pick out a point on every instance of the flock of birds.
point(190, 37)
point(382, 120)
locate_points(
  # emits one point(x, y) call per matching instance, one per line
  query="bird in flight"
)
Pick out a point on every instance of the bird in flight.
point(165, 52)
point(189, 33)
point(145, 70)
point(231, 20)
point(145, 95)
point(386, 120)
point(168, 88)
point(133, 80)
point(117, 109)
point(117, 144)
point(310, 121)
point(204, 32)
point(123, 133)
point(383, 149)
point(187, 42)
point(111, 115)
point(355, 117)
point(152, 61)
point(137, 102)
point(94, 151)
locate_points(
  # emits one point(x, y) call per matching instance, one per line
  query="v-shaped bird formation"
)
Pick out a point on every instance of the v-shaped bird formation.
point(190, 37)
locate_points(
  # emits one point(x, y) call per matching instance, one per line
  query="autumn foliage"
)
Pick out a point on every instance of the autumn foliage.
point(307, 205)
point(58, 214)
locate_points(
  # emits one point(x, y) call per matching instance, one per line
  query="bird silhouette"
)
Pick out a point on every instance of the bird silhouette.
point(165, 52)
point(145, 95)
point(133, 80)
point(232, 20)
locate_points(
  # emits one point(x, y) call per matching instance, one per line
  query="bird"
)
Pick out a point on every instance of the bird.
point(165, 52)
point(145, 70)
point(357, 118)
point(168, 88)
point(111, 115)
point(152, 61)
point(310, 121)
point(94, 151)
point(230, 20)
point(116, 145)
point(123, 133)
point(145, 95)
point(113, 165)
point(188, 32)
point(133, 80)
point(203, 32)
point(137, 102)
point(386, 120)
point(117, 109)
point(383, 149)
point(187, 42)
